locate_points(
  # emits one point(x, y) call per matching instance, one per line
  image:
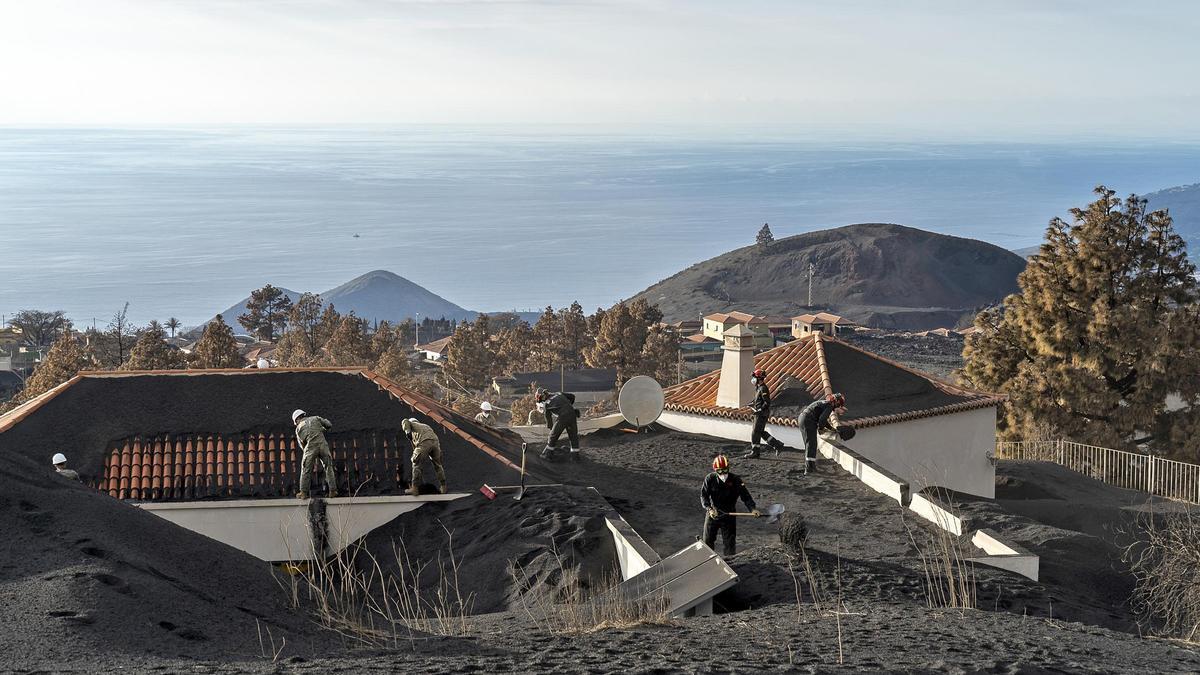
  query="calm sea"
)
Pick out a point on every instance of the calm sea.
point(186, 222)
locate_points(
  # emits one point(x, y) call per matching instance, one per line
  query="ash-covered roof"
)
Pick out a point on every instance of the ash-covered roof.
point(244, 417)
point(878, 391)
point(583, 379)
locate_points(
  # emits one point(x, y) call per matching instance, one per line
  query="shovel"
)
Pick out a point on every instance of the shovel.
point(772, 513)
point(521, 493)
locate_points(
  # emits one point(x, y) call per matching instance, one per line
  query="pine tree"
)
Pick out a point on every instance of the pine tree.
point(151, 352)
point(349, 345)
point(470, 362)
point(1102, 332)
point(573, 336)
point(64, 361)
point(660, 355)
point(765, 238)
point(545, 341)
point(512, 349)
point(216, 347)
point(325, 327)
point(622, 339)
point(266, 312)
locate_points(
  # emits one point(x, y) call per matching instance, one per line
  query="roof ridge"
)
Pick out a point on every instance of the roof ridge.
point(10, 418)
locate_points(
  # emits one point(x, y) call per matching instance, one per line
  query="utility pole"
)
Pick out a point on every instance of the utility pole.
point(811, 269)
point(417, 323)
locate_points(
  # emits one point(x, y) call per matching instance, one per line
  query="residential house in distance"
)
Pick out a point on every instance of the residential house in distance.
point(699, 347)
point(821, 322)
point(589, 385)
point(436, 351)
point(687, 328)
point(715, 326)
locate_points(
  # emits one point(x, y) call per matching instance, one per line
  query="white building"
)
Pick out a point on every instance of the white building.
point(924, 430)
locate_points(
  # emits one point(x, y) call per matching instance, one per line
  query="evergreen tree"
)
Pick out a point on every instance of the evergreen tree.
point(326, 326)
point(545, 341)
point(64, 361)
point(622, 337)
point(349, 345)
point(573, 336)
point(173, 325)
point(470, 362)
point(512, 349)
point(764, 238)
point(660, 355)
point(266, 312)
point(151, 352)
point(216, 347)
point(1102, 332)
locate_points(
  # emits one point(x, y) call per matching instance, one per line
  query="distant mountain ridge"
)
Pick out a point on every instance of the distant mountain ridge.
point(377, 295)
point(1183, 203)
point(877, 273)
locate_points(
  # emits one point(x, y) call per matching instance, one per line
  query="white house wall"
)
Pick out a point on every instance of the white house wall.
point(952, 451)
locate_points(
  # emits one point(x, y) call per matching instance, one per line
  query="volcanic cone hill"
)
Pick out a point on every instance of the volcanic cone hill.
point(879, 274)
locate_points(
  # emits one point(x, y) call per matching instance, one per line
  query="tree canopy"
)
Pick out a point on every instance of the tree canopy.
point(1102, 343)
point(266, 312)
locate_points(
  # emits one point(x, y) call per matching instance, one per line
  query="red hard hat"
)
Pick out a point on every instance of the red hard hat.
point(759, 373)
point(720, 463)
point(837, 399)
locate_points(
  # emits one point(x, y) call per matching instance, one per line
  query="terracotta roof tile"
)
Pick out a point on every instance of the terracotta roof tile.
point(878, 391)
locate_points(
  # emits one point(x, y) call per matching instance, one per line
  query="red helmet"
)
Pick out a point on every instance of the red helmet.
point(837, 399)
point(759, 373)
point(720, 463)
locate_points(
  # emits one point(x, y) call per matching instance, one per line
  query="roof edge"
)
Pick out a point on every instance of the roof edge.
point(12, 417)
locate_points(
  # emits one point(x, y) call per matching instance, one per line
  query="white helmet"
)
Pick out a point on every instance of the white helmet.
point(485, 406)
point(297, 414)
point(406, 425)
point(59, 458)
point(262, 363)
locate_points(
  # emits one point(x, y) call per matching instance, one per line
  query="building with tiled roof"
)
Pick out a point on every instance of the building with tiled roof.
point(715, 326)
point(227, 433)
point(929, 431)
point(819, 322)
point(436, 351)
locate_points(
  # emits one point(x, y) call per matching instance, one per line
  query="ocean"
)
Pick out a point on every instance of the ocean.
point(185, 222)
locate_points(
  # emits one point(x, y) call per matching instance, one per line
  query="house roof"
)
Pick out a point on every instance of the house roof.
point(700, 338)
point(739, 317)
point(878, 391)
point(130, 432)
point(583, 379)
point(824, 317)
point(437, 346)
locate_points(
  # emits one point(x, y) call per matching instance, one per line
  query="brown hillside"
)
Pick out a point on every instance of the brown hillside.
point(882, 274)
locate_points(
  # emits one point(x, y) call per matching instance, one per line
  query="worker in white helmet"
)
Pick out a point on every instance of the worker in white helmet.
point(485, 416)
point(425, 445)
point(310, 431)
point(60, 465)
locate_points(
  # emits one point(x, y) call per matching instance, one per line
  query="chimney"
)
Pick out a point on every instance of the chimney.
point(735, 390)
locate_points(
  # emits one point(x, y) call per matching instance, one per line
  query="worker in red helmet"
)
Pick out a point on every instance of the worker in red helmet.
point(815, 419)
point(761, 406)
point(719, 496)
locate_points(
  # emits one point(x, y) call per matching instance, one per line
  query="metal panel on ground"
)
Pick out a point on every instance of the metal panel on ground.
point(688, 580)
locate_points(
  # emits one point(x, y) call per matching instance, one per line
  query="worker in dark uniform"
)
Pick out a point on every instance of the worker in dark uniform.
point(814, 419)
point(561, 415)
point(719, 496)
point(762, 412)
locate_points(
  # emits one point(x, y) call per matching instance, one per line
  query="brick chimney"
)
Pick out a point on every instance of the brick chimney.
point(735, 390)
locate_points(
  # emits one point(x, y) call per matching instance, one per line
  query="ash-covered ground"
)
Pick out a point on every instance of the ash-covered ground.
point(872, 612)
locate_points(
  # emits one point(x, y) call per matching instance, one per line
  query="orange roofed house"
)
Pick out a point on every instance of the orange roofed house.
point(925, 431)
point(715, 326)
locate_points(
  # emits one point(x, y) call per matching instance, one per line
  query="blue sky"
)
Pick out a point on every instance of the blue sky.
point(988, 69)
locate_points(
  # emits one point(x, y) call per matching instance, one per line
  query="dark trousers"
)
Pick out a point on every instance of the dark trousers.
point(561, 424)
point(810, 438)
point(760, 433)
point(727, 525)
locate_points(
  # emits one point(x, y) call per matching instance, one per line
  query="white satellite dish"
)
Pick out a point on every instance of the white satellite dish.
point(641, 401)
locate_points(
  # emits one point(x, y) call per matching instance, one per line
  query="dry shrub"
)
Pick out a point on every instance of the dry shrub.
point(355, 597)
point(1166, 564)
point(949, 574)
point(577, 609)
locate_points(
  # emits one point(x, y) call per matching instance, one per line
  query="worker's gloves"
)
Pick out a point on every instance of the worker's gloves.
point(714, 514)
point(756, 513)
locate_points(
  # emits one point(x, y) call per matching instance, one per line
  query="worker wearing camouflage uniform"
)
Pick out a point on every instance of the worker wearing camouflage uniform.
point(425, 446)
point(310, 432)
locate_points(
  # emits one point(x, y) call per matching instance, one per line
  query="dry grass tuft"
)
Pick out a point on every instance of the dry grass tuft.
point(1166, 564)
point(949, 574)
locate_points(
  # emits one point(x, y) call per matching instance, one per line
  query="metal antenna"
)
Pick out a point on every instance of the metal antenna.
point(811, 268)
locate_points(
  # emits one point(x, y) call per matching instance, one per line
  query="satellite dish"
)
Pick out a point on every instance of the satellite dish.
point(641, 401)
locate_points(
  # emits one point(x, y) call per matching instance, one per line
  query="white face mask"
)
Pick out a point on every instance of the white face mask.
point(541, 407)
point(754, 381)
point(722, 476)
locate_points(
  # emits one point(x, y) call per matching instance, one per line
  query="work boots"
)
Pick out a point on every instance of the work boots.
point(414, 490)
point(576, 455)
point(776, 445)
point(301, 495)
point(753, 453)
point(810, 466)
point(442, 487)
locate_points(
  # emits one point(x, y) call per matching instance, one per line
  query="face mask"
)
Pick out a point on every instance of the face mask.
point(722, 476)
point(541, 407)
point(754, 381)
